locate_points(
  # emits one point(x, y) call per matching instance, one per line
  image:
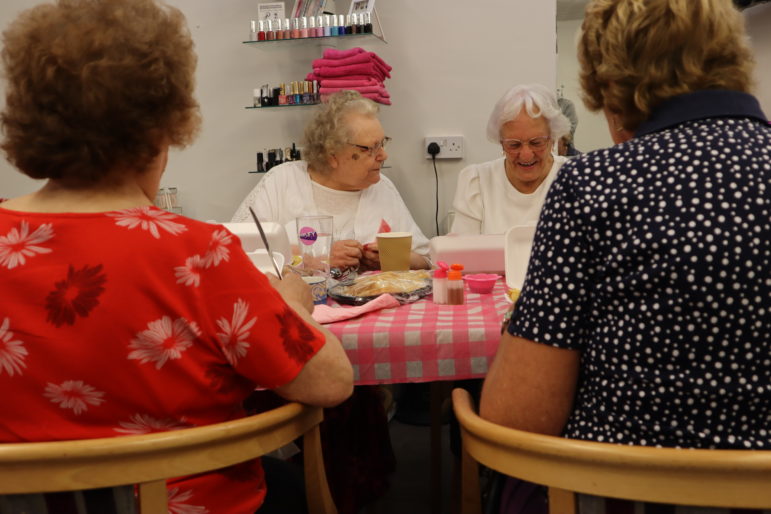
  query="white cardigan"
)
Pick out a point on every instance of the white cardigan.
point(285, 193)
point(486, 202)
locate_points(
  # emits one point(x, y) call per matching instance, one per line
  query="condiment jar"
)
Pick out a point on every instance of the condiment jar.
point(455, 285)
point(440, 283)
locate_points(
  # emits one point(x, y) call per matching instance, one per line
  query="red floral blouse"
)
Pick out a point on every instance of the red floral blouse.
point(138, 321)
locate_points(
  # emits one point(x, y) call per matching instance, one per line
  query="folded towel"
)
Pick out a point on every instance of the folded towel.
point(352, 69)
point(346, 82)
point(377, 58)
point(354, 59)
point(326, 314)
point(372, 96)
point(379, 90)
point(334, 53)
point(312, 76)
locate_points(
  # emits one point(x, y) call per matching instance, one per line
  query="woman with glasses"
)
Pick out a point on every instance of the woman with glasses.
point(495, 195)
point(340, 176)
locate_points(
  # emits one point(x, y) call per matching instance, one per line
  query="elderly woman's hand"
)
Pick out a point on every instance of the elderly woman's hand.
point(345, 254)
point(293, 290)
point(370, 259)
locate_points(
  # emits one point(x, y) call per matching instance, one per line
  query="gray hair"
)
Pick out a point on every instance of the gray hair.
point(327, 130)
point(537, 101)
point(569, 110)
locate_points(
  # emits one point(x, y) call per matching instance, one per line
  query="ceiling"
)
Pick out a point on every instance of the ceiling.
point(570, 9)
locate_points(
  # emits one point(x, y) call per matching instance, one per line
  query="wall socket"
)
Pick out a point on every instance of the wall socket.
point(450, 147)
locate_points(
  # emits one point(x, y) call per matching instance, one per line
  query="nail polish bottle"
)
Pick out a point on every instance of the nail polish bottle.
point(278, 28)
point(316, 93)
point(260, 166)
point(348, 25)
point(354, 23)
point(341, 25)
point(311, 26)
point(298, 97)
point(282, 94)
point(261, 32)
point(287, 29)
point(361, 23)
point(253, 30)
point(327, 26)
point(367, 23)
point(303, 27)
point(265, 98)
point(289, 95)
point(295, 28)
point(270, 34)
point(256, 97)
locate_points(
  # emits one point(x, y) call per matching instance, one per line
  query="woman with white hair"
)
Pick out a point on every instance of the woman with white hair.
point(495, 195)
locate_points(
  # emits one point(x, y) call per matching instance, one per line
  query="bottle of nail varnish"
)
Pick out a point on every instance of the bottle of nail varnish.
point(455, 294)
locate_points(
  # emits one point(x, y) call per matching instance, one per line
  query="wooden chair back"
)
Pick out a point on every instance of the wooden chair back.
point(148, 460)
point(709, 478)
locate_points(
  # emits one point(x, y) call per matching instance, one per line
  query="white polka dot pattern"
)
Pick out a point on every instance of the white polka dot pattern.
point(652, 259)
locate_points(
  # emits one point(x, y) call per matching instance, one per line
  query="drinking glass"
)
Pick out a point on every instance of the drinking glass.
point(314, 237)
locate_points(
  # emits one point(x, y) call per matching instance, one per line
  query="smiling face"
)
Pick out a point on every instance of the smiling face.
point(352, 168)
point(527, 167)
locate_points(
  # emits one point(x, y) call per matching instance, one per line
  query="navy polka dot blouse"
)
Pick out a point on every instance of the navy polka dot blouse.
point(652, 259)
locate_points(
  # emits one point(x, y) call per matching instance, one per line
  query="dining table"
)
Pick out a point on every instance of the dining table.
point(426, 342)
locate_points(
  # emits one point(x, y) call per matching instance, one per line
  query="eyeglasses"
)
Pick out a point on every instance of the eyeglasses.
point(515, 145)
point(374, 149)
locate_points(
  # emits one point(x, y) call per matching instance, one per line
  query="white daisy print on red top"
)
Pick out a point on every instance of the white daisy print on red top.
point(18, 244)
point(234, 333)
point(150, 219)
point(12, 353)
point(146, 424)
point(74, 394)
point(176, 505)
point(218, 248)
point(190, 273)
point(164, 339)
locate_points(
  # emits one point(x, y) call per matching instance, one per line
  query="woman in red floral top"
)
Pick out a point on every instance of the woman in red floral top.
point(117, 317)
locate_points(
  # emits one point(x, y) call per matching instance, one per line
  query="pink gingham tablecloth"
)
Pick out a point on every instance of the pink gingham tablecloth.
point(425, 342)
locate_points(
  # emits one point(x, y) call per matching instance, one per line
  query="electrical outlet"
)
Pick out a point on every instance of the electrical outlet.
point(450, 147)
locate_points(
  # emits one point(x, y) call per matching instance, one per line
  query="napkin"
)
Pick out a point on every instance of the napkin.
point(326, 314)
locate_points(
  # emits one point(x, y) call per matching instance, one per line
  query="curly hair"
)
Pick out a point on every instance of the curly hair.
point(96, 87)
point(634, 54)
point(327, 130)
point(537, 100)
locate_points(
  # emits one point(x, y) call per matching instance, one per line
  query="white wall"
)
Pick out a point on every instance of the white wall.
point(449, 69)
point(592, 131)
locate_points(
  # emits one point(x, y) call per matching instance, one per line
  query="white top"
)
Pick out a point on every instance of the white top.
point(286, 192)
point(341, 205)
point(486, 202)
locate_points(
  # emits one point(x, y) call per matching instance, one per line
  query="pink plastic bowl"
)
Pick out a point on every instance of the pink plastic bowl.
point(482, 283)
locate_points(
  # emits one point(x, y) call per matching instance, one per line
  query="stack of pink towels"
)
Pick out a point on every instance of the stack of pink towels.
point(354, 69)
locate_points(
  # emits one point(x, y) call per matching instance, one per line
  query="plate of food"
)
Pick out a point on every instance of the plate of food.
point(405, 286)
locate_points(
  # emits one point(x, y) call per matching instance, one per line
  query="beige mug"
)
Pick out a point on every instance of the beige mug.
point(394, 249)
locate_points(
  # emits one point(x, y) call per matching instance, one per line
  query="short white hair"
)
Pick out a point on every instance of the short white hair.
point(537, 101)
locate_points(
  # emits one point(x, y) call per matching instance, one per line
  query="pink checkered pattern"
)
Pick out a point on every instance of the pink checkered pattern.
point(425, 342)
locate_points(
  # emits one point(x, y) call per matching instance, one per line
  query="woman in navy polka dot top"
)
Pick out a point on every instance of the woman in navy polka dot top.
point(645, 317)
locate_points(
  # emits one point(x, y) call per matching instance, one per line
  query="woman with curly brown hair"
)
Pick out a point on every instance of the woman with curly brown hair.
point(117, 317)
point(652, 329)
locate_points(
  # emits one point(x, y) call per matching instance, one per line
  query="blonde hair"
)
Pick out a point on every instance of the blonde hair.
point(95, 87)
point(634, 54)
point(327, 130)
point(537, 100)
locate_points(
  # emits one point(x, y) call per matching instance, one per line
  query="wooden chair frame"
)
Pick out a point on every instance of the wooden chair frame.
point(148, 460)
point(709, 478)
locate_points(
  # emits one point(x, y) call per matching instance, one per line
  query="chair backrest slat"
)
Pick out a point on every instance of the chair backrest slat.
point(149, 459)
point(713, 478)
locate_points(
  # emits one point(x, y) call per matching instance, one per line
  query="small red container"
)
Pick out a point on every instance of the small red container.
point(481, 283)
